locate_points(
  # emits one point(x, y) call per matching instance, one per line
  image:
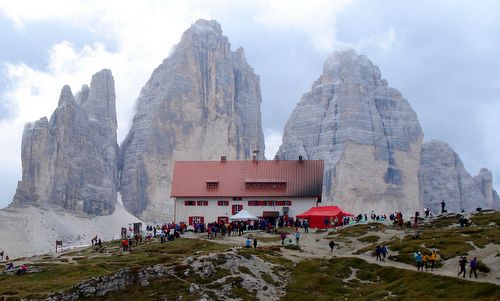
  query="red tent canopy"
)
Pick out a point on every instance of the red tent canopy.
point(317, 215)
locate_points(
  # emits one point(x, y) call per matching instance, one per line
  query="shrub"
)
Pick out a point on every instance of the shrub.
point(482, 267)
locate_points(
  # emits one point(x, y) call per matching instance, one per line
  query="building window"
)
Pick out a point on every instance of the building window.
point(202, 203)
point(212, 185)
point(236, 198)
point(270, 203)
point(236, 209)
point(265, 185)
point(222, 203)
point(196, 220)
point(189, 203)
point(283, 203)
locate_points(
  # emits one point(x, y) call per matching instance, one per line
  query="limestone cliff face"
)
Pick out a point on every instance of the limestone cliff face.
point(202, 102)
point(484, 182)
point(367, 133)
point(443, 177)
point(70, 160)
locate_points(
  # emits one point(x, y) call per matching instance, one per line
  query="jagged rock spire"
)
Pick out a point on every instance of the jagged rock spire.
point(70, 161)
point(202, 102)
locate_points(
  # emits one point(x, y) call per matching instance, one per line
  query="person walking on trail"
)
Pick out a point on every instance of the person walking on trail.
point(306, 226)
point(297, 237)
point(425, 260)
point(1, 255)
point(462, 263)
point(418, 258)
point(332, 245)
point(432, 260)
point(384, 252)
point(473, 267)
point(255, 243)
point(443, 204)
point(378, 252)
point(283, 236)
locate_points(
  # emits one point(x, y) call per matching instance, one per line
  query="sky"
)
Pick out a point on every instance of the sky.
point(442, 55)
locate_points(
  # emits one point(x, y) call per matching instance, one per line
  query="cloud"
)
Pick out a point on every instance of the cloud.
point(383, 42)
point(273, 141)
point(315, 18)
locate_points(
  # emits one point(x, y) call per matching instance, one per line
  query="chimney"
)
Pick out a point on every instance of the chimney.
point(223, 158)
point(255, 154)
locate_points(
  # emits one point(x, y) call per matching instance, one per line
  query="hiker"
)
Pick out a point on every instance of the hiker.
point(9, 266)
point(22, 270)
point(462, 263)
point(432, 260)
point(384, 252)
point(425, 259)
point(255, 243)
point(99, 243)
point(306, 226)
point(326, 221)
point(473, 267)
point(248, 242)
point(378, 251)
point(1, 255)
point(94, 240)
point(130, 243)
point(418, 258)
point(443, 204)
point(125, 245)
point(283, 236)
point(332, 245)
point(297, 237)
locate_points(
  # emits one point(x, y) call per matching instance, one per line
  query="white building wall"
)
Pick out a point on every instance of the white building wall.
point(213, 211)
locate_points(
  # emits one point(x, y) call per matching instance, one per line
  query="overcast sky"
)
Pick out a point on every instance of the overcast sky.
point(442, 55)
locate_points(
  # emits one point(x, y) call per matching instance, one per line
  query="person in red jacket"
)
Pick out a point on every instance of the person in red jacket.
point(125, 245)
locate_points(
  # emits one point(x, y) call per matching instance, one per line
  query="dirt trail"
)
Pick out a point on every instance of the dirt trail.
point(315, 245)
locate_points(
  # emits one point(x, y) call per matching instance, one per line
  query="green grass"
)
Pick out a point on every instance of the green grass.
point(485, 219)
point(325, 280)
point(57, 276)
point(359, 230)
point(450, 242)
point(245, 270)
point(369, 238)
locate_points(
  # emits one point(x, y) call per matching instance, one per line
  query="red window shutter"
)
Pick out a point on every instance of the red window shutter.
point(191, 221)
point(202, 219)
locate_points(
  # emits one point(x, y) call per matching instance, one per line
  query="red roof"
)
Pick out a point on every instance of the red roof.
point(302, 178)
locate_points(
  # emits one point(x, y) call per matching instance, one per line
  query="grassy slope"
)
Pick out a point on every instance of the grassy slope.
point(317, 279)
point(58, 275)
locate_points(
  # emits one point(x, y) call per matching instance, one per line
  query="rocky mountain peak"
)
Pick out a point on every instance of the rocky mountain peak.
point(443, 177)
point(202, 102)
point(70, 161)
point(347, 65)
point(66, 97)
point(204, 35)
point(364, 130)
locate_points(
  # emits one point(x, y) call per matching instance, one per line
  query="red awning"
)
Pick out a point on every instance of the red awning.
point(316, 215)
